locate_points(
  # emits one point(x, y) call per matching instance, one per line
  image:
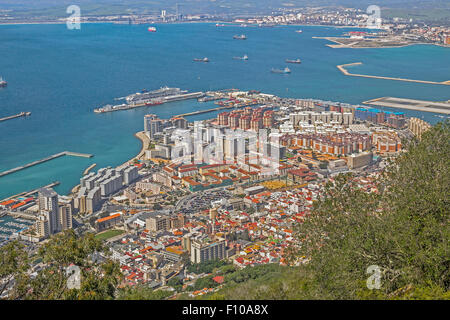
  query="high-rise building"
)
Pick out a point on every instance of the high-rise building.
point(93, 200)
point(222, 118)
point(418, 126)
point(130, 174)
point(48, 206)
point(206, 250)
point(65, 217)
point(152, 125)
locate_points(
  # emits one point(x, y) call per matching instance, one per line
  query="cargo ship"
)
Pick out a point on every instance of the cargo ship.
point(241, 37)
point(151, 29)
point(201, 60)
point(293, 61)
point(3, 83)
point(285, 70)
point(245, 57)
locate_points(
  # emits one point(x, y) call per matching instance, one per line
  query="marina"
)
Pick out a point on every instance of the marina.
point(411, 104)
point(344, 71)
point(34, 163)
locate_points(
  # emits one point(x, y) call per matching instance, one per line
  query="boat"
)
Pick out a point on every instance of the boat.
point(151, 29)
point(285, 70)
point(201, 60)
point(293, 61)
point(220, 25)
point(3, 83)
point(245, 57)
point(241, 37)
point(298, 31)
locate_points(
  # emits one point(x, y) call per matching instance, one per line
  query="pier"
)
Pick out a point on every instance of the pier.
point(29, 193)
point(85, 172)
point(345, 72)
point(22, 114)
point(34, 163)
point(147, 103)
point(216, 109)
point(411, 104)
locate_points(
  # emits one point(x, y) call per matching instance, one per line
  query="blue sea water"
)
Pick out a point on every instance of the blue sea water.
point(60, 75)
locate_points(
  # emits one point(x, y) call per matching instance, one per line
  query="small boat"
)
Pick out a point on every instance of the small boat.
point(151, 29)
point(298, 31)
point(201, 60)
point(285, 70)
point(3, 83)
point(241, 37)
point(245, 57)
point(293, 61)
point(220, 25)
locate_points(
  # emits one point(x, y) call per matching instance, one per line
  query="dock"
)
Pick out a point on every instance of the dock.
point(22, 114)
point(410, 104)
point(186, 96)
point(54, 156)
point(345, 72)
point(216, 109)
point(29, 193)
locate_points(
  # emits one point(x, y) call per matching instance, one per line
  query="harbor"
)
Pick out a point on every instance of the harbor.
point(19, 115)
point(345, 72)
point(34, 163)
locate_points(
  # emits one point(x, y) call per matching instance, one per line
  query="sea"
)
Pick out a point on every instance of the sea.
point(61, 75)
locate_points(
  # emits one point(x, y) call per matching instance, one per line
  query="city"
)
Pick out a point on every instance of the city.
point(179, 152)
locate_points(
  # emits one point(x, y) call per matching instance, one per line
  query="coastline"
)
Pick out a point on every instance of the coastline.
point(145, 141)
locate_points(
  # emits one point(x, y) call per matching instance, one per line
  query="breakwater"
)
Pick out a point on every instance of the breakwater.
point(54, 156)
point(344, 71)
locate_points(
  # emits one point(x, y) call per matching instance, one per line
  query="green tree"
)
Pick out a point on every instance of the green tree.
point(142, 292)
point(98, 279)
point(14, 264)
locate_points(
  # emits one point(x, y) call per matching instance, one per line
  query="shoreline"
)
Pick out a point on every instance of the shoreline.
point(145, 142)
